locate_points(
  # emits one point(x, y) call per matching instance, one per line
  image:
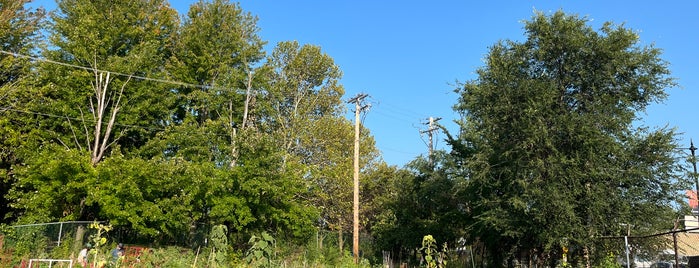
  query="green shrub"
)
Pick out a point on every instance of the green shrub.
point(261, 252)
point(609, 262)
point(219, 246)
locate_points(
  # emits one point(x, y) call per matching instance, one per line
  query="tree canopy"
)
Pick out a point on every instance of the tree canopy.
point(167, 125)
point(159, 124)
point(549, 149)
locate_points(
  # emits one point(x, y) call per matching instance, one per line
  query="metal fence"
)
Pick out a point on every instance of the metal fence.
point(43, 241)
point(55, 232)
point(675, 248)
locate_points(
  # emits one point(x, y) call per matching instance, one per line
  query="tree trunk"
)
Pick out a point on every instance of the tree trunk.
point(339, 236)
point(586, 256)
point(320, 238)
point(79, 236)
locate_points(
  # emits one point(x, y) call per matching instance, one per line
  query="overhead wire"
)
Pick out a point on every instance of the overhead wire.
point(78, 119)
point(397, 114)
point(395, 109)
point(401, 110)
point(339, 140)
point(159, 80)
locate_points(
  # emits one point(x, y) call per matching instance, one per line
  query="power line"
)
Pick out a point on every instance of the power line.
point(396, 113)
point(400, 110)
point(392, 117)
point(78, 119)
point(158, 80)
point(98, 70)
point(344, 142)
point(115, 124)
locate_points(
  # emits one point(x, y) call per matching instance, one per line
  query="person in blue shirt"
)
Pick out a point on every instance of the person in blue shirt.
point(117, 253)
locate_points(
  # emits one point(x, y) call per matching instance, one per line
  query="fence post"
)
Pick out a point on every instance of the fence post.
point(626, 244)
point(60, 232)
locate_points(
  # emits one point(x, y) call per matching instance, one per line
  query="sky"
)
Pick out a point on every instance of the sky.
point(408, 56)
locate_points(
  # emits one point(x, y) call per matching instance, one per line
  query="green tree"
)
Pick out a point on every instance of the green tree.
point(328, 159)
point(548, 148)
point(274, 199)
point(424, 200)
point(303, 87)
point(103, 97)
point(299, 106)
point(217, 49)
point(18, 37)
point(53, 184)
point(302, 108)
point(18, 34)
point(97, 102)
point(212, 128)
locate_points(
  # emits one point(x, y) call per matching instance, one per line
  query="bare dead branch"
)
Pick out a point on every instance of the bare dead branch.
point(87, 132)
point(75, 137)
point(62, 143)
point(104, 143)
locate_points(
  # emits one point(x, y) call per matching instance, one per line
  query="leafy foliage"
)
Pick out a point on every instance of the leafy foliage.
point(423, 200)
point(219, 245)
point(54, 184)
point(100, 103)
point(98, 241)
point(19, 33)
point(548, 149)
point(242, 142)
point(432, 256)
point(261, 252)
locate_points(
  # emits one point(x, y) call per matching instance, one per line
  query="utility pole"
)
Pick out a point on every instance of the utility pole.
point(358, 107)
point(431, 127)
point(694, 164)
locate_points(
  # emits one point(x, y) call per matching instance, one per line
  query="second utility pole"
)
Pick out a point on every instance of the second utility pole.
point(696, 180)
point(355, 231)
point(431, 128)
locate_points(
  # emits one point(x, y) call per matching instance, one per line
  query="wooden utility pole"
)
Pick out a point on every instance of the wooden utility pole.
point(431, 127)
point(694, 174)
point(355, 231)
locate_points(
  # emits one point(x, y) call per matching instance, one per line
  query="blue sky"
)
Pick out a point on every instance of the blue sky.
point(407, 55)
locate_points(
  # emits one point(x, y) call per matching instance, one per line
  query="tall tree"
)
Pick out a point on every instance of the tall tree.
point(18, 33)
point(329, 162)
point(19, 28)
point(548, 145)
point(304, 87)
point(301, 107)
point(423, 199)
point(217, 50)
point(93, 97)
point(111, 46)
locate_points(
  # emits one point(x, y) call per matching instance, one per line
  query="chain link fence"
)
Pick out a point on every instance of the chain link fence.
point(39, 240)
point(676, 248)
